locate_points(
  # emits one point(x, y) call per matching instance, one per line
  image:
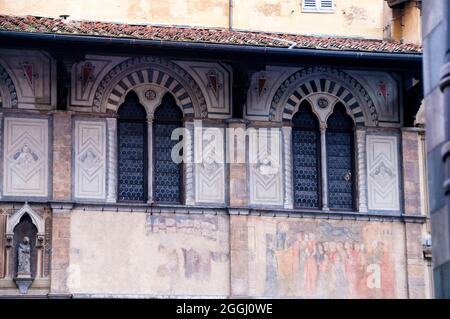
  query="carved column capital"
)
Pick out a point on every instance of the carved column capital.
point(323, 127)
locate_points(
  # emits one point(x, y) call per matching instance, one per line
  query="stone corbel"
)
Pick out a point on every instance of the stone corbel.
point(9, 240)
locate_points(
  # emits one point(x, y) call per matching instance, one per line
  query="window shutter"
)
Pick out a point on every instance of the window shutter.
point(326, 4)
point(310, 4)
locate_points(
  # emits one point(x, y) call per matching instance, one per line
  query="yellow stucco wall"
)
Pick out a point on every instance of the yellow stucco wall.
point(351, 18)
point(168, 12)
point(358, 18)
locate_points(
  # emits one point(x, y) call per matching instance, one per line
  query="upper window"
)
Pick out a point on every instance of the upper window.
point(339, 140)
point(318, 6)
point(306, 158)
point(132, 150)
point(167, 173)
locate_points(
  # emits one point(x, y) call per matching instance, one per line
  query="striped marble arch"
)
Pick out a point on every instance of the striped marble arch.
point(323, 86)
point(334, 82)
point(150, 76)
point(150, 70)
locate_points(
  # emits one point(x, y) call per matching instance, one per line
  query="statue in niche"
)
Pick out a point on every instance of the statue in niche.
point(24, 258)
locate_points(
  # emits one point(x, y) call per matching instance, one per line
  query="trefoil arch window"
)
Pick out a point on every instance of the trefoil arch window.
point(132, 150)
point(166, 173)
point(306, 158)
point(340, 162)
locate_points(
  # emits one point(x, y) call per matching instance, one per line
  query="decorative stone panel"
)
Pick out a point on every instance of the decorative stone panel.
point(214, 81)
point(209, 166)
point(383, 172)
point(26, 157)
point(265, 167)
point(90, 159)
point(31, 78)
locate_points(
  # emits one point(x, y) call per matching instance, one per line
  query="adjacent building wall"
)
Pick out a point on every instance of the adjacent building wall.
point(435, 32)
point(351, 18)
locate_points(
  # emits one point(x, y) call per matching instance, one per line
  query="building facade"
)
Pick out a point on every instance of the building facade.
point(436, 72)
point(302, 174)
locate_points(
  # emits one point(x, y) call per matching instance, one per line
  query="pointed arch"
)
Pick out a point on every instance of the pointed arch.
point(36, 219)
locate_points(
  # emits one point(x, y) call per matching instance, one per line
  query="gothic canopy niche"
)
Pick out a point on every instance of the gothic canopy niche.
point(324, 81)
point(8, 94)
point(156, 71)
point(37, 220)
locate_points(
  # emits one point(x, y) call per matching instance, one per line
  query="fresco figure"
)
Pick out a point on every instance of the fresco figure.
point(271, 285)
point(310, 269)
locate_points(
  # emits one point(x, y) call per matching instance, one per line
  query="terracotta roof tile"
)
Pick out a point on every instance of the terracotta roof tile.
point(204, 35)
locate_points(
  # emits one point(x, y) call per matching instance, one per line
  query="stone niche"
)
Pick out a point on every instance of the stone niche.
point(22, 223)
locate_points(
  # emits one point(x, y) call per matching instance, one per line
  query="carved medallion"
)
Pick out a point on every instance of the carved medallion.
point(150, 95)
point(323, 103)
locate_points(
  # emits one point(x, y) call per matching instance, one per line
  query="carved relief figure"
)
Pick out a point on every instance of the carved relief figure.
point(25, 158)
point(89, 160)
point(267, 166)
point(382, 174)
point(24, 258)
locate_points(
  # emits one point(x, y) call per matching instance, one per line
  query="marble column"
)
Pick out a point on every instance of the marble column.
point(287, 148)
point(362, 185)
point(188, 160)
point(150, 158)
point(323, 162)
point(111, 196)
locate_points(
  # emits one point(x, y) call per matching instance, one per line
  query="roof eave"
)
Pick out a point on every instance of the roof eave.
point(211, 47)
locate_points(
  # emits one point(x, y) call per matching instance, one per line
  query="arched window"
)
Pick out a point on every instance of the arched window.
point(167, 173)
point(340, 166)
point(132, 149)
point(306, 158)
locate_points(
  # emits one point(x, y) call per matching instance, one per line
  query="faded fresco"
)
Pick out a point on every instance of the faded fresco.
point(325, 259)
point(161, 254)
